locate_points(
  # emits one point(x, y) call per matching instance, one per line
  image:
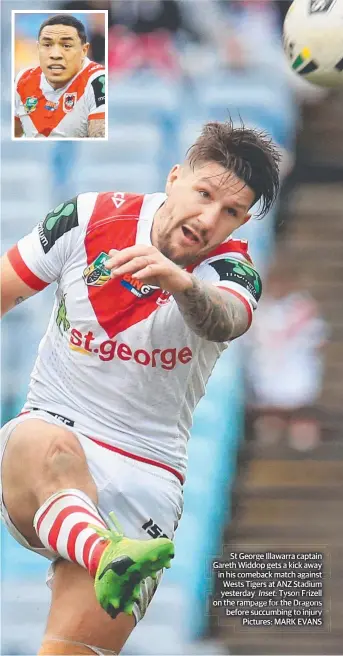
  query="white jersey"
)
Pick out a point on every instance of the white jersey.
point(118, 360)
point(64, 113)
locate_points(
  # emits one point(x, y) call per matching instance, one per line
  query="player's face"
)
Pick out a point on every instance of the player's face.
point(61, 53)
point(203, 208)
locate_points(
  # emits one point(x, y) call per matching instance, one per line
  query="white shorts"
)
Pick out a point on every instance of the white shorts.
point(147, 500)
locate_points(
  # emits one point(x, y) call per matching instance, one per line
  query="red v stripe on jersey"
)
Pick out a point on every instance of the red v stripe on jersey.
point(29, 86)
point(115, 307)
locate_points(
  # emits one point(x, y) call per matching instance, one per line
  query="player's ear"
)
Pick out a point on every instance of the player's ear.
point(85, 49)
point(173, 175)
point(246, 219)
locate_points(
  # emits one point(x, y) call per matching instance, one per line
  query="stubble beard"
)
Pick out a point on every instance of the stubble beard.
point(165, 247)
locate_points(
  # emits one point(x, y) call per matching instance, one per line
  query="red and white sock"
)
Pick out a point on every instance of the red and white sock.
point(62, 525)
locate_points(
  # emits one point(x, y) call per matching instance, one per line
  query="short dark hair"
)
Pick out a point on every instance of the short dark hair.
point(250, 154)
point(66, 19)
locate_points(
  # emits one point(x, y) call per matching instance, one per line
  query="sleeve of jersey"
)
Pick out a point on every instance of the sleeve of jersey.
point(234, 274)
point(96, 95)
point(40, 257)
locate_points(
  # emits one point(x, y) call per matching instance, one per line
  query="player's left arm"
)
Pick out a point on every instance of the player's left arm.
point(96, 103)
point(96, 127)
point(13, 289)
point(215, 314)
point(220, 302)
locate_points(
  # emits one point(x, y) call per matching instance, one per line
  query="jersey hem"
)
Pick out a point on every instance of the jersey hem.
point(72, 420)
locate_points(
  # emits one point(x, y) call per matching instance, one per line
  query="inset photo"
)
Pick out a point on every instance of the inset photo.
point(59, 62)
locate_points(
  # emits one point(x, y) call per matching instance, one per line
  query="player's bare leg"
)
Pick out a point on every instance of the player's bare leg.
point(51, 498)
point(76, 621)
point(41, 459)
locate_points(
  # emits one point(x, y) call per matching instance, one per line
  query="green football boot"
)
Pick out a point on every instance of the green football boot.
point(124, 564)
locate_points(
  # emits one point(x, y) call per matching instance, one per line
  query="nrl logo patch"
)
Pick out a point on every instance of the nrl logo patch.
point(96, 274)
point(69, 101)
point(30, 104)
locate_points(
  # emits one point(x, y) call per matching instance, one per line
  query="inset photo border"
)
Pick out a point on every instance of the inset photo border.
point(59, 75)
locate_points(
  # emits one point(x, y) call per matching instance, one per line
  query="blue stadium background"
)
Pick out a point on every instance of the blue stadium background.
point(152, 121)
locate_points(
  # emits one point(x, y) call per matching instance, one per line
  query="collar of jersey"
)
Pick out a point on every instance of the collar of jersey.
point(150, 205)
point(57, 93)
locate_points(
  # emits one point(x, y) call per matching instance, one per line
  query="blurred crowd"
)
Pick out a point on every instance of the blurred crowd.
point(284, 360)
point(173, 36)
point(170, 36)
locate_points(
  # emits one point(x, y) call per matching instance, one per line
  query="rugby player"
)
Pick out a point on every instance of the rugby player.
point(150, 291)
point(64, 96)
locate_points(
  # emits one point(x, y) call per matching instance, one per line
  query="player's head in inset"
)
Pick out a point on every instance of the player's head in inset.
point(227, 170)
point(62, 48)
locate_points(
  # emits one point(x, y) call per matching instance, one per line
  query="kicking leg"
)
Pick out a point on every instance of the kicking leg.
point(76, 623)
point(51, 498)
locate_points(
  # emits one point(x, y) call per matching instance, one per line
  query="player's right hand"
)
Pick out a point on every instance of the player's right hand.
point(148, 264)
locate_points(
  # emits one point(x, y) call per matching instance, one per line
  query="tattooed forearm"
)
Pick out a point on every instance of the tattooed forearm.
point(211, 315)
point(96, 127)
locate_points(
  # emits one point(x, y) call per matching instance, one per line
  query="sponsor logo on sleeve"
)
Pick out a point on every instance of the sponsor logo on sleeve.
point(232, 270)
point(99, 90)
point(57, 223)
